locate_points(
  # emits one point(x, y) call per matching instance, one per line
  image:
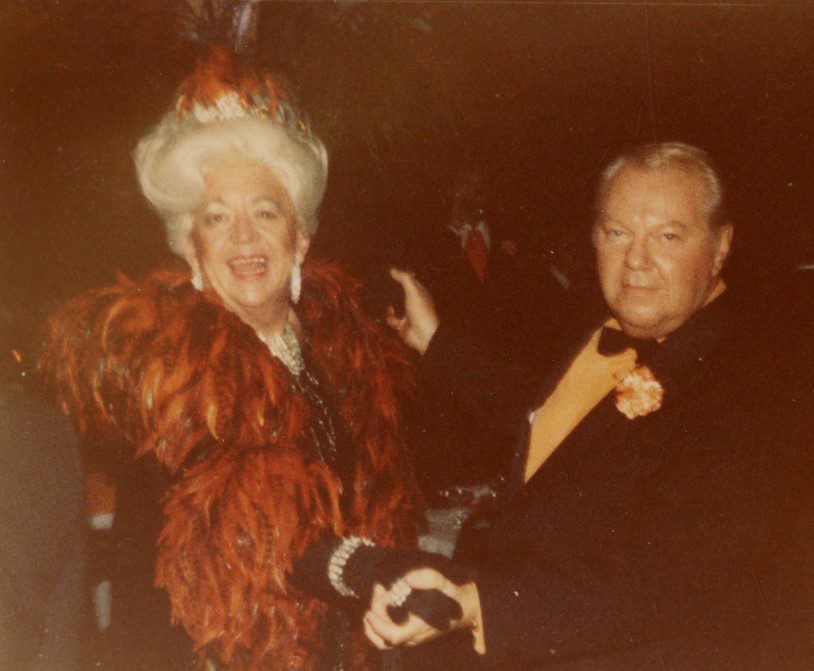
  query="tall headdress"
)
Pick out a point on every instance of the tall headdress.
point(223, 87)
point(226, 102)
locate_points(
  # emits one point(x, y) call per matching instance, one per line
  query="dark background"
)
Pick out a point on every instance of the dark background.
point(404, 95)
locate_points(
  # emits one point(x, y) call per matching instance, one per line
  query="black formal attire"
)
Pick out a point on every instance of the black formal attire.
point(41, 554)
point(638, 544)
point(503, 313)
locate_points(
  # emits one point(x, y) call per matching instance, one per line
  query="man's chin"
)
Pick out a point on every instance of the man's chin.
point(638, 324)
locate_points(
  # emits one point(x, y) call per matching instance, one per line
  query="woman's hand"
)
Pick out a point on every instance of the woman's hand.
point(384, 633)
point(420, 321)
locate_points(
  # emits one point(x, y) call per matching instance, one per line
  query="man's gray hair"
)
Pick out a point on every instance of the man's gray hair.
point(678, 155)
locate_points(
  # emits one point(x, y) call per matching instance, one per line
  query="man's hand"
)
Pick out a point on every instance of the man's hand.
point(420, 321)
point(384, 633)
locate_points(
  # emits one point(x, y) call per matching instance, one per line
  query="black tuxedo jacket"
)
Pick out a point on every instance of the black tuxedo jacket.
point(640, 544)
point(513, 310)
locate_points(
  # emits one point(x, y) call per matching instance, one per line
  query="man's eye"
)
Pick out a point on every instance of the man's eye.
point(614, 233)
point(267, 213)
point(671, 237)
point(214, 218)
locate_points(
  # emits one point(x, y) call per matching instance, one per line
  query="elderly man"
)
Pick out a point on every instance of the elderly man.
point(639, 515)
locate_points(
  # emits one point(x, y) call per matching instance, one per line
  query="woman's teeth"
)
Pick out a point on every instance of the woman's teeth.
point(248, 265)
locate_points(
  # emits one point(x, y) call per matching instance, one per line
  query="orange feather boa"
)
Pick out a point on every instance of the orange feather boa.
point(172, 371)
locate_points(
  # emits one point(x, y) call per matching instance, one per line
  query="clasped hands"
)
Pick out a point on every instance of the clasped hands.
point(436, 605)
point(426, 594)
point(424, 616)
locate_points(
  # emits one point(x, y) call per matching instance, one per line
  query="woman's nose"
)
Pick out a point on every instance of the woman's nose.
point(243, 229)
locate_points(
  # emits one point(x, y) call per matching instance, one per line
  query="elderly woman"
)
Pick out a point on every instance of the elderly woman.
point(254, 389)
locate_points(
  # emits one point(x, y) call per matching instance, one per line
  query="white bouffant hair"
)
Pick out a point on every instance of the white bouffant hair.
point(173, 159)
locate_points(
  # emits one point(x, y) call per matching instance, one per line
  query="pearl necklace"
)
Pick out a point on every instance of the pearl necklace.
point(286, 347)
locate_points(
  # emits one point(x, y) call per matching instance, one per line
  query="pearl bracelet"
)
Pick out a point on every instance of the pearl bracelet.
point(339, 559)
point(399, 591)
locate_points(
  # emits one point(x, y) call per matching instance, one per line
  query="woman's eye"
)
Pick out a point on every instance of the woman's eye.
point(671, 237)
point(614, 233)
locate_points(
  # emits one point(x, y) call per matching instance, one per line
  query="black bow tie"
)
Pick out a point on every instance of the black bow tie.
point(613, 341)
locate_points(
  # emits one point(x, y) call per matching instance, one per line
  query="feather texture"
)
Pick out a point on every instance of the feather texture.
point(178, 376)
point(229, 22)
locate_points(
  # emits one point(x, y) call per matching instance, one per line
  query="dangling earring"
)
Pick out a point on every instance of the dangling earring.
point(197, 278)
point(296, 282)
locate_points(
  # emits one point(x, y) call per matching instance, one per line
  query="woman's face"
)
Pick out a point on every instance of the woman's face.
point(246, 241)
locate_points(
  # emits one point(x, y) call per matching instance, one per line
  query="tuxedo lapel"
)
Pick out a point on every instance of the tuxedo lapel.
point(677, 363)
point(570, 346)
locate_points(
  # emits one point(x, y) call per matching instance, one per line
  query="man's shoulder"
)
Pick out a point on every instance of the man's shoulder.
point(747, 377)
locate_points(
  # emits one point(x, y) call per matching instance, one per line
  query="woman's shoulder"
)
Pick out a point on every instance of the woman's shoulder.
point(328, 284)
point(335, 315)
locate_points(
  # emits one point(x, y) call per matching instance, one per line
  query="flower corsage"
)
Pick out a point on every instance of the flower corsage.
point(639, 393)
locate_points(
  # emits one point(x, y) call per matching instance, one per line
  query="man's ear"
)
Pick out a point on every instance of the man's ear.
point(723, 245)
point(594, 234)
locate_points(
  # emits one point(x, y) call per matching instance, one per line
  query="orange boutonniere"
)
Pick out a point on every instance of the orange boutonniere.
point(639, 393)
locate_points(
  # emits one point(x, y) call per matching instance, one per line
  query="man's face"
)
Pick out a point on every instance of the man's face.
point(657, 255)
point(467, 206)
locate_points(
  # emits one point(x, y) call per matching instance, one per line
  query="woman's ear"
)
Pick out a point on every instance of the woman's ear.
point(302, 243)
point(191, 257)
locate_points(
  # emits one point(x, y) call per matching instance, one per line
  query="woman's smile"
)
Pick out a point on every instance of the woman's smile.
point(248, 267)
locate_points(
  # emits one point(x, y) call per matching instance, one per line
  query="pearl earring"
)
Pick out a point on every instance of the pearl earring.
point(197, 278)
point(296, 282)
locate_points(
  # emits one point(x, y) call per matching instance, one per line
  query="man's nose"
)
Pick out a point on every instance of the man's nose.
point(243, 229)
point(637, 255)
